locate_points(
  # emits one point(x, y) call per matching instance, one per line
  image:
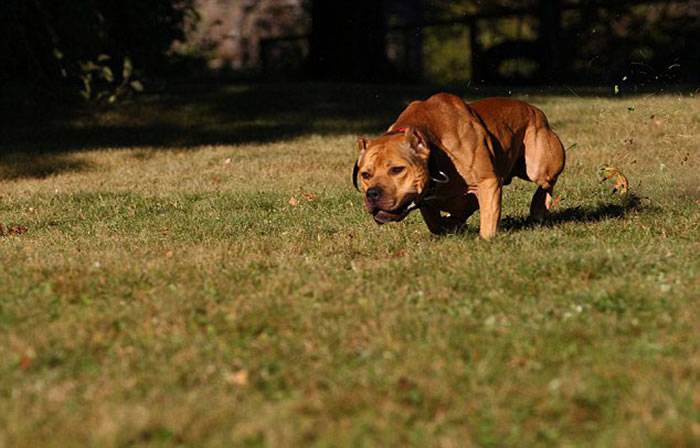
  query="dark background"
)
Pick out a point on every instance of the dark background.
point(77, 52)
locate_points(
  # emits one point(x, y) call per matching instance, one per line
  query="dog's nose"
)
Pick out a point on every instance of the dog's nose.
point(374, 193)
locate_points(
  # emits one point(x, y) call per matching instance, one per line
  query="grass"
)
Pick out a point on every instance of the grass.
point(167, 291)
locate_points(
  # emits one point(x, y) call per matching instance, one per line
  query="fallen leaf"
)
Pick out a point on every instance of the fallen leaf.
point(309, 196)
point(239, 378)
point(685, 158)
point(25, 362)
point(293, 201)
point(517, 362)
point(405, 383)
point(12, 230)
point(555, 202)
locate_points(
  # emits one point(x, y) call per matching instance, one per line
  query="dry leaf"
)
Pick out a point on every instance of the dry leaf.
point(399, 254)
point(518, 361)
point(555, 202)
point(25, 362)
point(239, 378)
point(622, 185)
point(309, 196)
point(293, 201)
point(12, 230)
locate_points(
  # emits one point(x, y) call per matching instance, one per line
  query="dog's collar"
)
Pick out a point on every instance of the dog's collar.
point(437, 178)
point(396, 131)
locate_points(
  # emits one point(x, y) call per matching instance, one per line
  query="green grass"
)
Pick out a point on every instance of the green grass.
point(166, 292)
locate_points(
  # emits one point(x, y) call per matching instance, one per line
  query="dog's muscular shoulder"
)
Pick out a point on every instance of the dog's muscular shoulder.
point(453, 126)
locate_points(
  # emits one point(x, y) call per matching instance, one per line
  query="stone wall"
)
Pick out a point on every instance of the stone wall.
point(228, 33)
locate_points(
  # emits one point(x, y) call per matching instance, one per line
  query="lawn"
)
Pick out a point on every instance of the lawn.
point(195, 269)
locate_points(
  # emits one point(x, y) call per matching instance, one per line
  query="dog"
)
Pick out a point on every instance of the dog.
point(448, 159)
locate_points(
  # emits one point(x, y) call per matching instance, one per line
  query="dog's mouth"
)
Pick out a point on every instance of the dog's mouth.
point(384, 216)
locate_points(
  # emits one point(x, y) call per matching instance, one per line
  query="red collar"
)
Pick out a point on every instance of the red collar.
point(396, 131)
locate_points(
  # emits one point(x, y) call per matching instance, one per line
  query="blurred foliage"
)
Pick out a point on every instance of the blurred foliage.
point(634, 44)
point(85, 48)
point(99, 82)
point(446, 52)
point(627, 42)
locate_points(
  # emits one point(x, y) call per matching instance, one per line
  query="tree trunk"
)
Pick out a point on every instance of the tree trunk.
point(549, 35)
point(412, 11)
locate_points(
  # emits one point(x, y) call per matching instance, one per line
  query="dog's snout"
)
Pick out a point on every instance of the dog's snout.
point(374, 193)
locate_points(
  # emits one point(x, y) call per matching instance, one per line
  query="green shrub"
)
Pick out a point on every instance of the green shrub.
point(63, 50)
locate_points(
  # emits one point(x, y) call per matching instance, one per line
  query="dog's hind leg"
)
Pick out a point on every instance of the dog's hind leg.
point(544, 162)
point(541, 203)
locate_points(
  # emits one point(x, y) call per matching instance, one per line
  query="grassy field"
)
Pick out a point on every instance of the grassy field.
point(196, 269)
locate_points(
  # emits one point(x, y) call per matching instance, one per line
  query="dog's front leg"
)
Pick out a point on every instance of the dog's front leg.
point(489, 195)
point(432, 218)
point(438, 224)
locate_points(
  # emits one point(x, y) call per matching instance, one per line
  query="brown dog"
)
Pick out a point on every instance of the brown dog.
point(449, 159)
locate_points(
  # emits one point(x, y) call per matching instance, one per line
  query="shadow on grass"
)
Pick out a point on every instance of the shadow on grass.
point(579, 214)
point(192, 115)
point(188, 117)
point(39, 166)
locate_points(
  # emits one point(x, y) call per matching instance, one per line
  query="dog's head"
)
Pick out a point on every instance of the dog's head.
point(393, 172)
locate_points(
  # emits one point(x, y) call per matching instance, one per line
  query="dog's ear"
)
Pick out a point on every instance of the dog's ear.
point(417, 141)
point(361, 146)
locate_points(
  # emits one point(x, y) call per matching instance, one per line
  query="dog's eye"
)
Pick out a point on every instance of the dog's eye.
point(394, 170)
point(365, 175)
